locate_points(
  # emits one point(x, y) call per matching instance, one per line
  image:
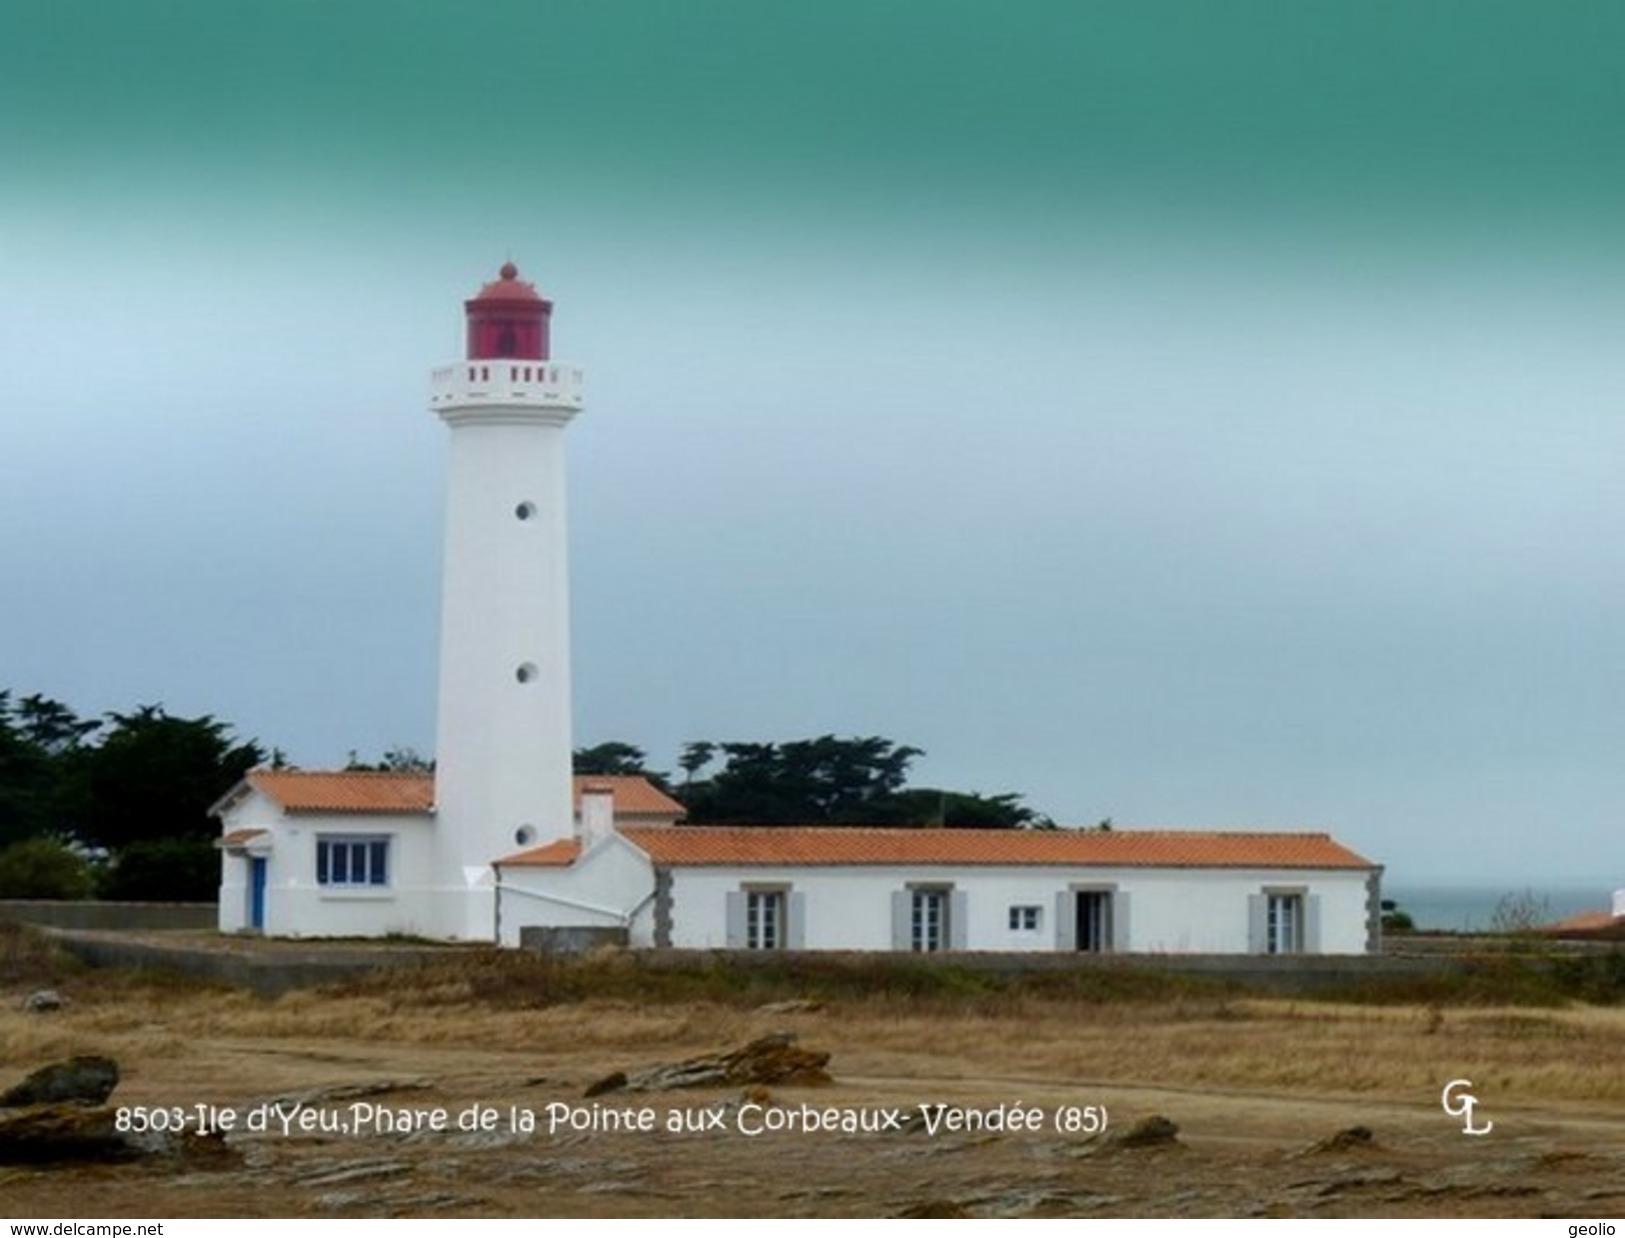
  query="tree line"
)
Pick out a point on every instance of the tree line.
point(824, 781)
point(118, 806)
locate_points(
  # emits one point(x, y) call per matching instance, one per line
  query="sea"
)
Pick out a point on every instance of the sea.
point(1479, 909)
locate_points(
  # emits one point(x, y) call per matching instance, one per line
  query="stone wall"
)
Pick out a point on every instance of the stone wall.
point(109, 917)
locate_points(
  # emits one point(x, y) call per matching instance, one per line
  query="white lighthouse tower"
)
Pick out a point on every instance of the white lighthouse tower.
point(502, 778)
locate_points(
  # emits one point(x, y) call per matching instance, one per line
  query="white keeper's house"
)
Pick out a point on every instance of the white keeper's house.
point(502, 838)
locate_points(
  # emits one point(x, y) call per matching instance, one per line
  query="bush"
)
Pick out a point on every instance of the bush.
point(165, 870)
point(29, 957)
point(1519, 915)
point(43, 868)
point(1596, 978)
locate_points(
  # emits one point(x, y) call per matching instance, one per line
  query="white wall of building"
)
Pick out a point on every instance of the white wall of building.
point(253, 812)
point(299, 904)
point(611, 886)
point(1184, 911)
point(232, 913)
point(1152, 910)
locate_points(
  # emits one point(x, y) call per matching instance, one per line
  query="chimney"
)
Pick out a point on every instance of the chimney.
point(597, 813)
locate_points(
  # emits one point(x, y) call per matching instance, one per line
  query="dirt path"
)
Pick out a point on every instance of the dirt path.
point(1237, 1152)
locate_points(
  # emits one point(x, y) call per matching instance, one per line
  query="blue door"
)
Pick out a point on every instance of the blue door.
point(256, 892)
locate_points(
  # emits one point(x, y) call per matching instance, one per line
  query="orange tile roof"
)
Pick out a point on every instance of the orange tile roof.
point(309, 790)
point(792, 846)
point(236, 838)
point(1600, 924)
point(634, 795)
point(560, 853)
point(391, 791)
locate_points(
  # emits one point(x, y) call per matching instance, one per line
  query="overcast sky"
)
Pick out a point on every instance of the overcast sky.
point(1199, 415)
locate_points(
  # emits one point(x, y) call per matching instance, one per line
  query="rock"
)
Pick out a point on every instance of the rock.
point(1346, 1140)
point(769, 1059)
point(209, 1151)
point(934, 1210)
point(1363, 1180)
point(49, 1133)
point(350, 1091)
point(609, 1083)
point(59, 1131)
point(43, 1000)
point(1153, 1132)
point(794, 1005)
point(356, 1171)
point(86, 1080)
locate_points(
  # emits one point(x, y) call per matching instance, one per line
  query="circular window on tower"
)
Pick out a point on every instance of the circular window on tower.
point(525, 835)
point(526, 672)
point(525, 510)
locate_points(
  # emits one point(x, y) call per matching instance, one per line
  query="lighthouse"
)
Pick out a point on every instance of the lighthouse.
point(503, 744)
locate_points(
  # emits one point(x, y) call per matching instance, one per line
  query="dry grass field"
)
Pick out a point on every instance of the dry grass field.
point(1259, 1090)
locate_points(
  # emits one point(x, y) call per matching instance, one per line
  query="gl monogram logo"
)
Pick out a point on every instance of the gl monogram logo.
point(1459, 1102)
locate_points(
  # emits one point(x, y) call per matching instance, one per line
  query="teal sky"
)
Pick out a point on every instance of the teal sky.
point(1373, 116)
point(1198, 414)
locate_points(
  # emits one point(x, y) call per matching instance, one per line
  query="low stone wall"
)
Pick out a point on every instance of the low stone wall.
point(271, 967)
point(108, 917)
point(269, 973)
point(1281, 973)
point(559, 940)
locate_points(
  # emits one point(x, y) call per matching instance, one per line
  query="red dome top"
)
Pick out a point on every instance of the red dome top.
point(508, 318)
point(507, 287)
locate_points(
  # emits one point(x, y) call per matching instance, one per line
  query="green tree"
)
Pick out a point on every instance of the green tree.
point(39, 742)
point(52, 726)
point(403, 760)
point(615, 758)
point(823, 780)
point(832, 781)
point(154, 776)
point(138, 784)
point(696, 756)
point(165, 870)
point(24, 779)
point(960, 810)
point(44, 868)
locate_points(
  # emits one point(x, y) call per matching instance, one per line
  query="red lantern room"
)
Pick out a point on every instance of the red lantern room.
point(508, 320)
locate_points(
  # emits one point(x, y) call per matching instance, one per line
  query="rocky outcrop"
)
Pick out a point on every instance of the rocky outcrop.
point(64, 1132)
point(768, 1059)
point(794, 1005)
point(79, 1080)
point(1153, 1132)
point(1349, 1139)
point(59, 1115)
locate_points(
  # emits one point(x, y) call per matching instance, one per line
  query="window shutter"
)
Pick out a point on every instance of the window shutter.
point(1066, 920)
point(1257, 925)
point(1120, 933)
point(958, 919)
point(736, 919)
point(795, 932)
point(901, 905)
point(1311, 924)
